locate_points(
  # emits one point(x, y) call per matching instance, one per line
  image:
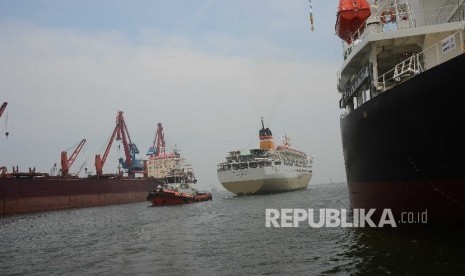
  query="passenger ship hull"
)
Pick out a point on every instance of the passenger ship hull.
point(405, 148)
point(264, 180)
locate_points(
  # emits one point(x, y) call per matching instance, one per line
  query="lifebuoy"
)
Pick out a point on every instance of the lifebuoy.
point(388, 16)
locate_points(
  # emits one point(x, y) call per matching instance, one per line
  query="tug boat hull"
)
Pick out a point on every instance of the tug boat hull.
point(164, 196)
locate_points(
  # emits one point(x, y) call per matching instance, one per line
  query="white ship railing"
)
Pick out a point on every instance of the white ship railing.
point(405, 18)
point(436, 54)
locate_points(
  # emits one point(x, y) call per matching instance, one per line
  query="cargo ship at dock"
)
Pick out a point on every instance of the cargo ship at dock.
point(402, 90)
point(38, 192)
point(265, 170)
point(25, 192)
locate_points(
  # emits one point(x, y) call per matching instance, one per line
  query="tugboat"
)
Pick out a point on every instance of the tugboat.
point(177, 176)
point(177, 189)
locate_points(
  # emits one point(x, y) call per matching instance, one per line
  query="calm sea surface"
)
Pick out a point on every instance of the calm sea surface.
point(226, 236)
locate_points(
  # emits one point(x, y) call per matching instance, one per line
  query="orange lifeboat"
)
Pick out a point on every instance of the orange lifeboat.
point(351, 16)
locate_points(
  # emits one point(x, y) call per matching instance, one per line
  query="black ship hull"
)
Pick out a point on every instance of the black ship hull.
point(405, 149)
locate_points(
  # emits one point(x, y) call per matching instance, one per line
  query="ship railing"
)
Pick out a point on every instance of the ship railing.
point(405, 18)
point(432, 56)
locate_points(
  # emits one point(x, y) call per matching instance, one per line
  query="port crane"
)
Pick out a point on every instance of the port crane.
point(159, 145)
point(67, 162)
point(120, 133)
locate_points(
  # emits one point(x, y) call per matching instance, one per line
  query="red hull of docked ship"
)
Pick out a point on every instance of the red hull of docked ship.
point(24, 195)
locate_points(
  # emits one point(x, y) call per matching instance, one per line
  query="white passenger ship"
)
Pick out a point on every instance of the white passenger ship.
point(268, 169)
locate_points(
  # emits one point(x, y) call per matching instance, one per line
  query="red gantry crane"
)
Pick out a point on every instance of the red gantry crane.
point(66, 163)
point(130, 149)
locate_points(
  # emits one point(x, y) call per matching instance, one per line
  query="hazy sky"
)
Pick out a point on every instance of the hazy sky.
point(208, 70)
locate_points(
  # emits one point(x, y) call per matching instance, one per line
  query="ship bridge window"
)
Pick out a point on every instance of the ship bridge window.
point(244, 166)
point(235, 166)
point(253, 164)
point(261, 164)
point(267, 164)
point(277, 162)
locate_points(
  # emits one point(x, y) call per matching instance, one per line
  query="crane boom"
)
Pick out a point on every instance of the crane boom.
point(123, 134)
point(2, 108)
point(159, 141)
point(130, 149)
point(99, 161)
point(65, 162)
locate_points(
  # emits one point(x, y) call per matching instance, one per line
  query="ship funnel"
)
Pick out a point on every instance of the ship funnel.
point(266, 138)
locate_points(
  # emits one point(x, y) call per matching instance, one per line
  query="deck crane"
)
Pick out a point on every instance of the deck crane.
point(67, 162)
point(159, 145)
point(130, 149)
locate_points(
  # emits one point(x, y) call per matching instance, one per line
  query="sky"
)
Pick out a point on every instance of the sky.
point(207, 70)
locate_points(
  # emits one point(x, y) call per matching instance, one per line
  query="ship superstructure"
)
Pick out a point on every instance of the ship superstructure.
point(402, 90)
point(267, 169)
point(161, 164)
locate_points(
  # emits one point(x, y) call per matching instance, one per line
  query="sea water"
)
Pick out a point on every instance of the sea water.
point(226, 236)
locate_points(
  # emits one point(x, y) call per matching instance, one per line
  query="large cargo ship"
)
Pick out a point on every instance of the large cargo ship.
point(402, 89)
point(268, 169)
point(23, 192)
point(37, 192)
